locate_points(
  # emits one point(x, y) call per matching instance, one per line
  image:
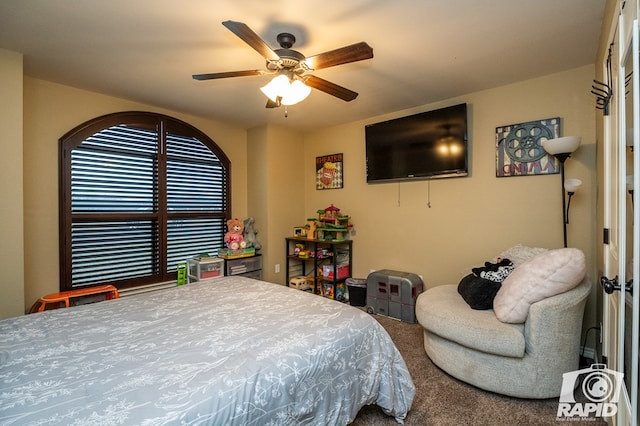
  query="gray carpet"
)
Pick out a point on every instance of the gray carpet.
point(443, 400)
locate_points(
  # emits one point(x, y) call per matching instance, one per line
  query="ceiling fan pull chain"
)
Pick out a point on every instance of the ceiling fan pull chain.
point(286, 112)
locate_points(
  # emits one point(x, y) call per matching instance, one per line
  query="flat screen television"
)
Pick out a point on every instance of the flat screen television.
point(427, 145)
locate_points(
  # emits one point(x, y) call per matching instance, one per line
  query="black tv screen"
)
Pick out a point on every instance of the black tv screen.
point(427, 145)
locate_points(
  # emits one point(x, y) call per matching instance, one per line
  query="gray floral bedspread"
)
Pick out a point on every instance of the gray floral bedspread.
point(231, 351)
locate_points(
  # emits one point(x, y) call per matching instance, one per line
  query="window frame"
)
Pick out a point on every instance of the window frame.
point(162, 125)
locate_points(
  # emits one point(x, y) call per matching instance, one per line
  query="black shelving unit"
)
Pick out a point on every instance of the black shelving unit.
point(332, 256)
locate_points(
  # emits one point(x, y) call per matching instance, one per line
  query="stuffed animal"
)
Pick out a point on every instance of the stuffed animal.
point(234, 238)
point(496, 272)
point(250, 234)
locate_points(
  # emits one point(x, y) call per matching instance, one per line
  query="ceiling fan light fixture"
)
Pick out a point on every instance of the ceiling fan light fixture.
point(291, 84)
point(290, 92)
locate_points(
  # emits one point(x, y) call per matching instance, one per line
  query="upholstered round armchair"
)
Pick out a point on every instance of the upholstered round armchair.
point(524, 359)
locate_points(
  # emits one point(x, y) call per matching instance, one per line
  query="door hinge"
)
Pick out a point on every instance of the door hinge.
point(605, 236)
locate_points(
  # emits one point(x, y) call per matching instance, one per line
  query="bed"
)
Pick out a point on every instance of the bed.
point(232, 351)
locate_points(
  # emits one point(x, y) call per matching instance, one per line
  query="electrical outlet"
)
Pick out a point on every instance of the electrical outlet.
point(277, 268)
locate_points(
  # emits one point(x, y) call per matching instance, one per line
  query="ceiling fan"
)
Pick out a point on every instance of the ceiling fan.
point(293, 64)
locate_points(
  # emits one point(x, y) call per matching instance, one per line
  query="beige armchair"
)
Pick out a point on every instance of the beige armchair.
point(522, 360)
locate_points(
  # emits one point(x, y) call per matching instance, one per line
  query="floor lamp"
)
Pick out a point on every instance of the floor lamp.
point(562, 148)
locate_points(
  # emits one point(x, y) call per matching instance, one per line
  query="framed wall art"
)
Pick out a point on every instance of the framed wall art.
point(329, 171)
point(519, 150)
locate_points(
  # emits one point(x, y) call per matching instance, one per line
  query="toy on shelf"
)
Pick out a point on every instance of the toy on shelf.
point(305, 254)
point(234, 238)
point(328, 290)
point(236, 246)
point(311, 229)
point(330, 225)
point(303, 283)
point(250, 234)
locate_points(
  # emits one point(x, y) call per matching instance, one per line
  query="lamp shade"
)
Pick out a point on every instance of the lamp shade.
point(289, 92)
point(572, 185)
point(276, 87)
point(298, 92)
point(564, 145)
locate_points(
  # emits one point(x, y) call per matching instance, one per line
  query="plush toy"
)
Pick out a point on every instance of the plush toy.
point(234, 238)
point(496, 272)
point(250, 234)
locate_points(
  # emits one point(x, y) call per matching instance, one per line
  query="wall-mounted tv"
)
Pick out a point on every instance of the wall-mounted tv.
point(427, 145)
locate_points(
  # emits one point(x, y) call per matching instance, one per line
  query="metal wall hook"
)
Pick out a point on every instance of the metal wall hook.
point(603, 90)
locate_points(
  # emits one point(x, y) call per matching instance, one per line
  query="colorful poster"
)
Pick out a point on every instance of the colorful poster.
point(329, 171)
point(519, 150)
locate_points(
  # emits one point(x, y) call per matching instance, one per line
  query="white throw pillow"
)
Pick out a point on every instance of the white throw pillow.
point(544, 275)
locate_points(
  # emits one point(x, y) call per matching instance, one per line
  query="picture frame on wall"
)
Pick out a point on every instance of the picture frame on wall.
point(519, 150)
point(329, 173)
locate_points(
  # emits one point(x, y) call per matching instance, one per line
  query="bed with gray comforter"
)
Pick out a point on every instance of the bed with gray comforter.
point(229, 351)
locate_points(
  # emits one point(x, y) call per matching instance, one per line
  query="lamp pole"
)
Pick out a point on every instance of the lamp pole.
point(562, 157)
point(561, 148)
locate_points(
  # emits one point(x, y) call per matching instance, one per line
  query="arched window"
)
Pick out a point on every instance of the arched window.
point(139, 193)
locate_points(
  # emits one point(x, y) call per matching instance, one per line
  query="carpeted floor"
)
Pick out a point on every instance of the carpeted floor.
point(442, 400)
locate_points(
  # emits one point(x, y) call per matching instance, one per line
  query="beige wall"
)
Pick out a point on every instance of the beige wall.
point(51, 110)
point(11, 195)
point(276, 192)
point(474, 218)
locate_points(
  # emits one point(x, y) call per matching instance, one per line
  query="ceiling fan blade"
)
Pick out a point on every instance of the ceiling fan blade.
point(252, 39)
point(213, 76)
point(353, 53)
point(330, 88)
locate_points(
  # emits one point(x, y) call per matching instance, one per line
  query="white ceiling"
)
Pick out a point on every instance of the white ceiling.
point(424, 50)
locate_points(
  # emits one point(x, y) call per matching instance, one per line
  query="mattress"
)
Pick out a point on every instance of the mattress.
point(232, 351)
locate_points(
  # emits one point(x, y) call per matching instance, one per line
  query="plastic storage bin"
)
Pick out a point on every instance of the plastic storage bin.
point(357, 291)
point(199, 269)
point(244, 265)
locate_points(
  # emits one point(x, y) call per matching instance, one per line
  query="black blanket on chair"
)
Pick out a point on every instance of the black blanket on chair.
point(479, 288)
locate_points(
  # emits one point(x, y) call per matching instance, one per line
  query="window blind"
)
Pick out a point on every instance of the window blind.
point(136, 213)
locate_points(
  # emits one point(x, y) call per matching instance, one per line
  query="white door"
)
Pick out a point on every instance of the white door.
point(622, 213)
